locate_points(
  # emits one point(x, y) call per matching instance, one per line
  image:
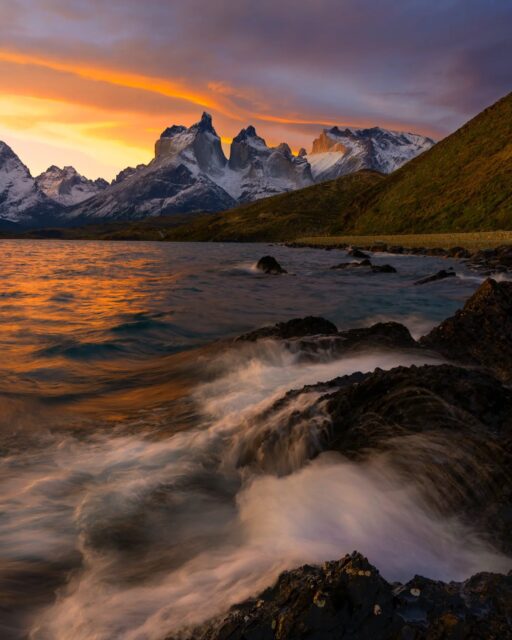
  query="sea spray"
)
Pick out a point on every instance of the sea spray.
point(156, 534)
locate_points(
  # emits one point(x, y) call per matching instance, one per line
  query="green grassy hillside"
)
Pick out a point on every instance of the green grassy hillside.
point(464, 183)
point(288, 215)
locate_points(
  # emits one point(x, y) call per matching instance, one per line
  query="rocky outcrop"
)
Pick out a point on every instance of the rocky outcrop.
point(497, 260)
point(270, 265)
point(296, 328)
point(374, 268)
point(349, 599)
point(354, 252)
point(481, 332)
point(440, 275)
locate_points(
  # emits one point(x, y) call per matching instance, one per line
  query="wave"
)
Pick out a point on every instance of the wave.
point(152, 533)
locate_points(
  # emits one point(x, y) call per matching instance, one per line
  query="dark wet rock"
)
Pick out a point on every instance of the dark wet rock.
point(270, 265)
point(445, 431)
point(481, 332)
point(349, 600)
point(441, 427)
point(296, 328)
point(494, 260)
point(383, 268)
point(352, 265)
point(458, 253)
point(378, 247)
point(382, 335)
point(440, 275)
point(354, 252)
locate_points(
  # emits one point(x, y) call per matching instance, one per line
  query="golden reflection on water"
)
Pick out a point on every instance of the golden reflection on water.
point(60, 302)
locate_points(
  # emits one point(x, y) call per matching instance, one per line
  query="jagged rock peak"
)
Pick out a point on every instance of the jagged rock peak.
point(284, 148)
point(249, 132)
point(172, 131)
point(198, 146)
point(205, 124)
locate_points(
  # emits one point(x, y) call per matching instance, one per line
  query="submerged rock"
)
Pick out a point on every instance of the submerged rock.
point(268, 264)
point(440, 275)
point(357, 253)
point(481, 332)
point(349, 599)
point(350, 265)
point(383, 268)
point(296, 328)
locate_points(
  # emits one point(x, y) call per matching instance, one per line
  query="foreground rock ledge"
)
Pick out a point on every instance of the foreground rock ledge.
point(348, 599)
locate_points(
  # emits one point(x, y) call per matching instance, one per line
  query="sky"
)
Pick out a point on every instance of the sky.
point(93, 83)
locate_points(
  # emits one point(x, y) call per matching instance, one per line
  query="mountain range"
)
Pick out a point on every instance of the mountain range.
point(190, 173)
point(463, 183)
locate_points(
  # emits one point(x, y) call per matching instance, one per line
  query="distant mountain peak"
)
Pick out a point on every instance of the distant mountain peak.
point(338, 151)
point(67, 187)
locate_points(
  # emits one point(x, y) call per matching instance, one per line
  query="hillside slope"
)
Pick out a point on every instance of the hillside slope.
point(464, 183)
point(284, 216)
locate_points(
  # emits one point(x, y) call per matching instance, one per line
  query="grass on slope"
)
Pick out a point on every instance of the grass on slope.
point(471, 241)
point(464, 183)
point(312, 210)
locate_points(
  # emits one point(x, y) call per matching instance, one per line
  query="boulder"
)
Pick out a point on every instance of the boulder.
point(348, 599)
point(354, 252)
point(296, 328)
point(270, 265)
point(352, 265)
point(481, 332)
point(440, 275)
point(383, 268)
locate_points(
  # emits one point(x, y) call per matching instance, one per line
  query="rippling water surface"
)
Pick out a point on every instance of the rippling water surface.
point(126, 510)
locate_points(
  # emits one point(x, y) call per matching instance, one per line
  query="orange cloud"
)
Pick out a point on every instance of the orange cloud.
point(161, 86)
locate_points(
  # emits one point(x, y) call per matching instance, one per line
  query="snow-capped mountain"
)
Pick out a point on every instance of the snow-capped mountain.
point(190, 173)
point(182, 178)
point(67, 186)
point(338, 151)
point(257, 171)
point(21, 200)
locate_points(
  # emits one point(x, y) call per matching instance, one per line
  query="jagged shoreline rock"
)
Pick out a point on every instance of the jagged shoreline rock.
point(446, 430)
point(481, 332)
point(349, 599)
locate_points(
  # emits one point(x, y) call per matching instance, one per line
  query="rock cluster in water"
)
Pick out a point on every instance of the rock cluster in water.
point(457, 423)
point(486, 261)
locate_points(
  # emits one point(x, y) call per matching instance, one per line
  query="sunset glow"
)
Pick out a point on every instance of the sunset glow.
point(95, 86)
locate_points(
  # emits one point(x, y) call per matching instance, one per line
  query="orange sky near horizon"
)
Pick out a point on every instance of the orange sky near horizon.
point(102, 119)
point(92, 83)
